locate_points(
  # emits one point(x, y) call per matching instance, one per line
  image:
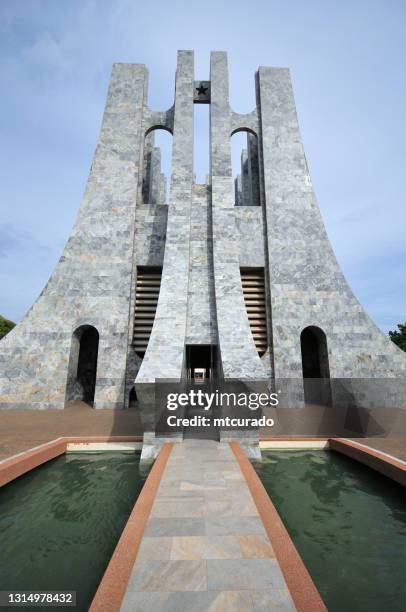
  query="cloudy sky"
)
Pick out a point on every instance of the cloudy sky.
point(347, 61)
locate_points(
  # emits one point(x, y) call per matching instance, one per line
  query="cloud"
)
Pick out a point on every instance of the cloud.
point(10, 239)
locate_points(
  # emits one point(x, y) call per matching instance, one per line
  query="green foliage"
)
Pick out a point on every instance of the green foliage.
point(399, 337)
point(5, 326)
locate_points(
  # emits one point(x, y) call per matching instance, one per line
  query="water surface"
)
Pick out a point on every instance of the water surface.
point(347, 522)
point(60, 523)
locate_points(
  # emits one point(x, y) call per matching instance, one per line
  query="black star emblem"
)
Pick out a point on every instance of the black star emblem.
point(201, 90)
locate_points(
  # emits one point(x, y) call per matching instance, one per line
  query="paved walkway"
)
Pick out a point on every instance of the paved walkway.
point(21, 430)
point(205, 547)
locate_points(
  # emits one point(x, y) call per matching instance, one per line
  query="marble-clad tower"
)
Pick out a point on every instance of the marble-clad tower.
point(148, 289)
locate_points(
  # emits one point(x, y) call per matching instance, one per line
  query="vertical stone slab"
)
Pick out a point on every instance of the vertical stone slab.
point(164, 355)
point(238, 191)
point(245, 178)
point(91, 284)
point(253, 169)
point(239, 357)
point(307, 285)
point(201, 316)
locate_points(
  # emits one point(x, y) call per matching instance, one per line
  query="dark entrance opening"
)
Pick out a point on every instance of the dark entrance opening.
point(82, 369)
point(200, 376)
point(200, 360)
point(316, 371)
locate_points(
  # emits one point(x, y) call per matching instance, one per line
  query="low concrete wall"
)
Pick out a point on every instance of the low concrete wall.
point(377, 460)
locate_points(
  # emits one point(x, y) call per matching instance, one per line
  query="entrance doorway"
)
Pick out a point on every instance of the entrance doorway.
point(200, 362)
point(315, 365)
point(200, 376)
point(82, 369)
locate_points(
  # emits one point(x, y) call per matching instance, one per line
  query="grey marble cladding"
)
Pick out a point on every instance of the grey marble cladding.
point(92, 282)
point(307, 285)
point(201, 315)
point(200, 239)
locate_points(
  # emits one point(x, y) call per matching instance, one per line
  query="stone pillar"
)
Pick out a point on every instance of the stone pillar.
point(91, 284)
point(245, 179)
point(307, 286)
point(238, 191)
point(253, 168)
point(238, 355)
point(165, 352)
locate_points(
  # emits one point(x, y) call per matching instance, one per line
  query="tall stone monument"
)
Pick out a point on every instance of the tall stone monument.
point(246, 284)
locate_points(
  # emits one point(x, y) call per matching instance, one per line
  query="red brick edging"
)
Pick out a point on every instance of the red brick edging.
point(114, 582)
point(381, 462)
point(24, 462)
point(113, 585)
point(302, 588)
point(28, 460)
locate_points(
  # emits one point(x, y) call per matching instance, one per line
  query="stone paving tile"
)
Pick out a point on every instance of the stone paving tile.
point(228, 507)
point(205, 546)
point(230, 494)
point(254, 546)
point(219, 466)
point(172, 480)
point(208, 547)
point(200, 477)
point(253, 574)
point(234, 525)
point(232, 475)
point(197, 601)
point(205, 456)
point(184, 508)
point(160, 527)
point(211, 480)
point(166, 489)
point(136, 601)
point(188, 474)
point(236, 486)
point(154, 549)
point(168, 576)
point(173, 494)
point(202, 485)
point(279, 600)
point(229, 601)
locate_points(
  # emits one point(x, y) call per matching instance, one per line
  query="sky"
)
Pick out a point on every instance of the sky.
point(347, 61)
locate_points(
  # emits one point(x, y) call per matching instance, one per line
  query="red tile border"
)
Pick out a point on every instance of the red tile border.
point(114, 582)
point(377, 460)
point(26, 461)
point(293, 438)
point(112, 588)
point(113, 585)
point(302, 588)
point(23, 462)
point(90, 439)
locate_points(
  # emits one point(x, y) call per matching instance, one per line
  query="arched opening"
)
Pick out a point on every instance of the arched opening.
point(315, 365)
point(157, 166)
point(82, 369)
point(132, 399)
point(245, 165)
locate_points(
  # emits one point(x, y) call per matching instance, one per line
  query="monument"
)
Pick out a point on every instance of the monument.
point(245, 285)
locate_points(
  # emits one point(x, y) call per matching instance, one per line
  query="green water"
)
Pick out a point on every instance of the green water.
point(348, 524)
point(59, 524)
